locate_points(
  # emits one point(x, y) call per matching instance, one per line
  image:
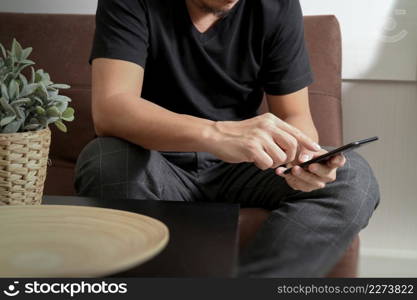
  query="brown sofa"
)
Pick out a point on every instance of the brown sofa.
point(62, 44)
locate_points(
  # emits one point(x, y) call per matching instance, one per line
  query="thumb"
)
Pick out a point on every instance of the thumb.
point(304, 155)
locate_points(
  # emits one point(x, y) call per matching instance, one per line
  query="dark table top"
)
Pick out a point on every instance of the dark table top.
point(203, 238)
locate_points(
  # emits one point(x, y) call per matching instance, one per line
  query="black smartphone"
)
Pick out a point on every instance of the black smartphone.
point(334, 152)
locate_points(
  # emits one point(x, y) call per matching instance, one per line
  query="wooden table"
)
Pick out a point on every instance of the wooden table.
point(203, 236)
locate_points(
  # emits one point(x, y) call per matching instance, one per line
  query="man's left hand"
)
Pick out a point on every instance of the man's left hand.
point(315, 176)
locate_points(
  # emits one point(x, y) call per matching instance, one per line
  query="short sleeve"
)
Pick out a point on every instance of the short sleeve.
point(286, 68)
point(121, 31)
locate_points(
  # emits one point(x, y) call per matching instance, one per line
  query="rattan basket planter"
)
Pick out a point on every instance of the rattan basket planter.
point(23, 163)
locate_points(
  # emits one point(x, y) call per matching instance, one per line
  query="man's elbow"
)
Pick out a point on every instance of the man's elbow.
point(99, 131)
point(101, 126)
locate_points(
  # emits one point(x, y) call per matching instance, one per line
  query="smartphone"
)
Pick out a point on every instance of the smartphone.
point(327, 156)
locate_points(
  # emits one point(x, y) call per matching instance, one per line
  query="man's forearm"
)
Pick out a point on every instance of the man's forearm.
point(156, 128)
point(294, 109)
point(151, 126)
point(305, 125)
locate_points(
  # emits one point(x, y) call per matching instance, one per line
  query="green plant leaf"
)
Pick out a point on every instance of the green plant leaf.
point(23, 80)
point(52, 120)
point(4, 92)
point(69, 119)
point(13, 90)
point(60, 86)
point(39, 75)
point(9, 76)
point(11, 59)
point(41, 91)
point(61, 126)
point(46, 76)
point(21, 101)
point(21, 68)
point(6, 106)
point(7, 120)
point(62, 106)
point(12, 127)
point(68, 113)
point(3, 51)
point(29, 89)
point(17, 49)
point(52, 92)
point(33, 75)
point(40, 110)
point(32, 127)
point(53, 112)
point(37, 99)
point(26, 53)
point(19, 112)
point(61, 98)
point(27, 62)
point(42, 76)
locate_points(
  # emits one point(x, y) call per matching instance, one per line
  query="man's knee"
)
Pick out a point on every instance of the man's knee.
point(106, 161)
point(358, 189)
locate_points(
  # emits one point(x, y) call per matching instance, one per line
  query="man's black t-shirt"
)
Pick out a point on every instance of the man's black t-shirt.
point(218, 75)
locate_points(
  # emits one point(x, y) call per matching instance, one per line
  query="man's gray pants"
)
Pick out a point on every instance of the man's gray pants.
point(306, 234)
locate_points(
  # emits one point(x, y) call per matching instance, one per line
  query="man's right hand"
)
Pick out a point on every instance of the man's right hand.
point(265, 140)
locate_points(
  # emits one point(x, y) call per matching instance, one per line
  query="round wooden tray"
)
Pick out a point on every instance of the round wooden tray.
point(75, 241)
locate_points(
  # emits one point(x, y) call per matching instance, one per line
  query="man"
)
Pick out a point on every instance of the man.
point(176, 88)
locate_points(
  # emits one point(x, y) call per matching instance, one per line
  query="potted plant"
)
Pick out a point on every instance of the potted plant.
point(29, 102)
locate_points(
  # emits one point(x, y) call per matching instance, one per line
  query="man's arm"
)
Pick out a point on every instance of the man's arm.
point(294, 109)
point(118, 110)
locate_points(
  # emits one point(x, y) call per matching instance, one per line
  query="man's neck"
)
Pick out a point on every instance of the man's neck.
point(201, 18)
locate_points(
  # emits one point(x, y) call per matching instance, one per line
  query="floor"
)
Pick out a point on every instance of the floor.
point(377, 263)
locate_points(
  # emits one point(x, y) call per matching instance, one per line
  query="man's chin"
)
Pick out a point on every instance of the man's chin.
point(221, 10)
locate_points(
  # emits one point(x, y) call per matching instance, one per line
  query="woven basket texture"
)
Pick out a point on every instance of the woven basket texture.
point(23, 163)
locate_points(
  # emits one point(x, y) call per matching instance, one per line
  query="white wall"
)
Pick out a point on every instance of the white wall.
point(49, 6)
point(386, 108)
point(371, 107)
point(387, 27)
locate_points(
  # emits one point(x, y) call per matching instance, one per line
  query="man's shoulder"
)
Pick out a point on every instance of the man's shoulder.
point(274, 7)
point(273, 12)
point(275, 4)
